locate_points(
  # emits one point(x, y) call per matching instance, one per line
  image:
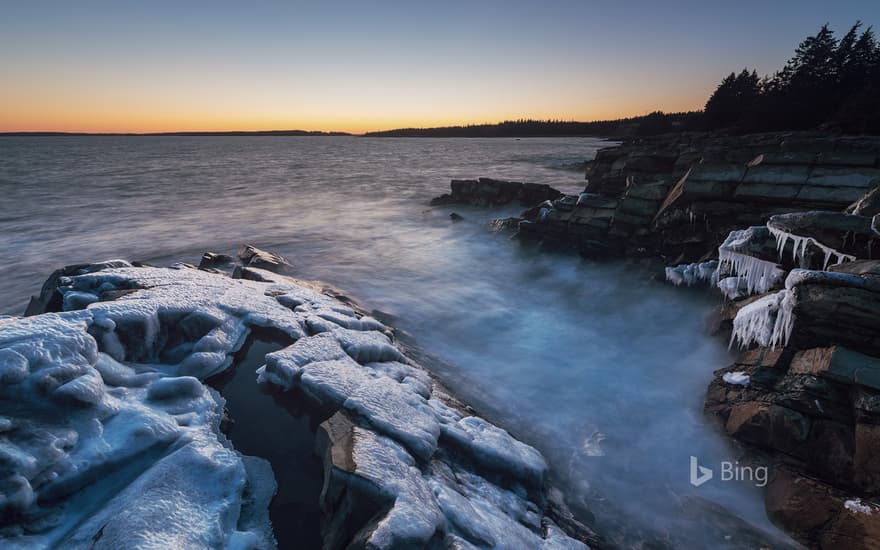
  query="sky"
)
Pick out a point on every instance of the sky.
point(126, 66)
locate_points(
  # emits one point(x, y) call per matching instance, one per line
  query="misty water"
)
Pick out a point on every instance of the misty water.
point(597, 365)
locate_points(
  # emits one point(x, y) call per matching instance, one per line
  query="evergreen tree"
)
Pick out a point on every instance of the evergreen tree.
point(827, 82)
point(735, 94)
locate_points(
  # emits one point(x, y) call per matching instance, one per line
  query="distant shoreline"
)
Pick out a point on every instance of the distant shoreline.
point(650, 124)
point(302, 133)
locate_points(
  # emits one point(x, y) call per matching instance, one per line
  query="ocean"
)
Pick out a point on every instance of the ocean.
point(597, 364)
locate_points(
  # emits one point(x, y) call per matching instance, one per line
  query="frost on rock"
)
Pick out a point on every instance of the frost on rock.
point(759, 275)
point(808, 276)
point(109, 438)
point(799, 247)
point(99, 454)
point(856, 505)
point(736, 378)
point(767, 322)
point(692, 274)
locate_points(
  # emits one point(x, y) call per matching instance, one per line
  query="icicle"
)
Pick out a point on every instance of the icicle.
point(760, 275)
point(733, 288)
point(691, 274)
point(768, 321)
point(799, 248)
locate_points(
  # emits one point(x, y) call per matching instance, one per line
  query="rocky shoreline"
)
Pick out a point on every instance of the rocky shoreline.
point(113, 435)
point(786, 227)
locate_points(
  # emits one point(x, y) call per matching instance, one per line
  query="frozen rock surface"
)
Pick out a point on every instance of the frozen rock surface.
point(109, 438)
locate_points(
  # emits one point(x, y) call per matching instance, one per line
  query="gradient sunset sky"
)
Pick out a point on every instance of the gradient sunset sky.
point(121, 66)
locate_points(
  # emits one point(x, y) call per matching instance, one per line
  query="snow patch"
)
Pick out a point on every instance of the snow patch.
point(738, 378)
point(856, 505)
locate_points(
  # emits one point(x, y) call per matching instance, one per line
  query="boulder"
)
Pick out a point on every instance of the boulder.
point(252, 256)
point(213, 260)
point(491, 192)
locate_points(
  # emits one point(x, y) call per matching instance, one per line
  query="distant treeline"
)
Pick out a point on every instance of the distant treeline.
point(654, 123)
point(829, 83)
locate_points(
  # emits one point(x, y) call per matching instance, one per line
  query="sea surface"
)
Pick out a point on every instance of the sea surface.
point(595, 363)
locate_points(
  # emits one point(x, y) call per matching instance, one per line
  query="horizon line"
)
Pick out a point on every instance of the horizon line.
point(282, 132)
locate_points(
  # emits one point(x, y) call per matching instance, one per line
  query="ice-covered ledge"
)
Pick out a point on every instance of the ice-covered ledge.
point(111, 438)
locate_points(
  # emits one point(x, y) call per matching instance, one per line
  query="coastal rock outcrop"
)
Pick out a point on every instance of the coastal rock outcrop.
point(111, 435)
point(492, 192)
point(252, 256)
point(786, 226)
point(679, 196)
point(804, 393)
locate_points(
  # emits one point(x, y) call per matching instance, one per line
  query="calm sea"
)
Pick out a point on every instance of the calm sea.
point(601, 368)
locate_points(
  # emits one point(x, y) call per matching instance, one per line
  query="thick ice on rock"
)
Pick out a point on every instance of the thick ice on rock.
point(110, 439)
point(767, 322)
point(759, 275)
point(734, 288)
point(692, 274)
point(98, 454)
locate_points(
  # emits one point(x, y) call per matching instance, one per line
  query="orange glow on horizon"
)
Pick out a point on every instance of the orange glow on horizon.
point(122, 121)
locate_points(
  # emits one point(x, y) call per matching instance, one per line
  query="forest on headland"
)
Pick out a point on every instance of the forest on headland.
point(828, 84)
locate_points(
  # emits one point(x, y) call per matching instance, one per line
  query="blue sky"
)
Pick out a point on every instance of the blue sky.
point(160, 65)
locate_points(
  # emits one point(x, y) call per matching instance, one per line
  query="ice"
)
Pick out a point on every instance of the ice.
point(768, 321)
point(738, 378)
point(399, 412)
point(471, 510)
point(462, 515)
point(807, 276)
point(367, 347)
point(692, 274)
point(497, 450)
point(107, 453)
point(734, 288)
point(283, 367)
point(415, 517)
point(799, 246)
point(112, 439)
point(760, 275)
point(855, 505)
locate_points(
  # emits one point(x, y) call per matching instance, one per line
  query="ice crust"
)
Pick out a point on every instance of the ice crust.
point(738, 378)
point(109, 438)
point(692, 274)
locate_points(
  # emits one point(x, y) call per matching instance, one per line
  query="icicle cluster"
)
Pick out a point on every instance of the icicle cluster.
point(768, 321)
point(692, 274)
point(800, 244)
point(759, 275)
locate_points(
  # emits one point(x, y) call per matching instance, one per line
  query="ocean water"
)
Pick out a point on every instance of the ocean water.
point(595, 363)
